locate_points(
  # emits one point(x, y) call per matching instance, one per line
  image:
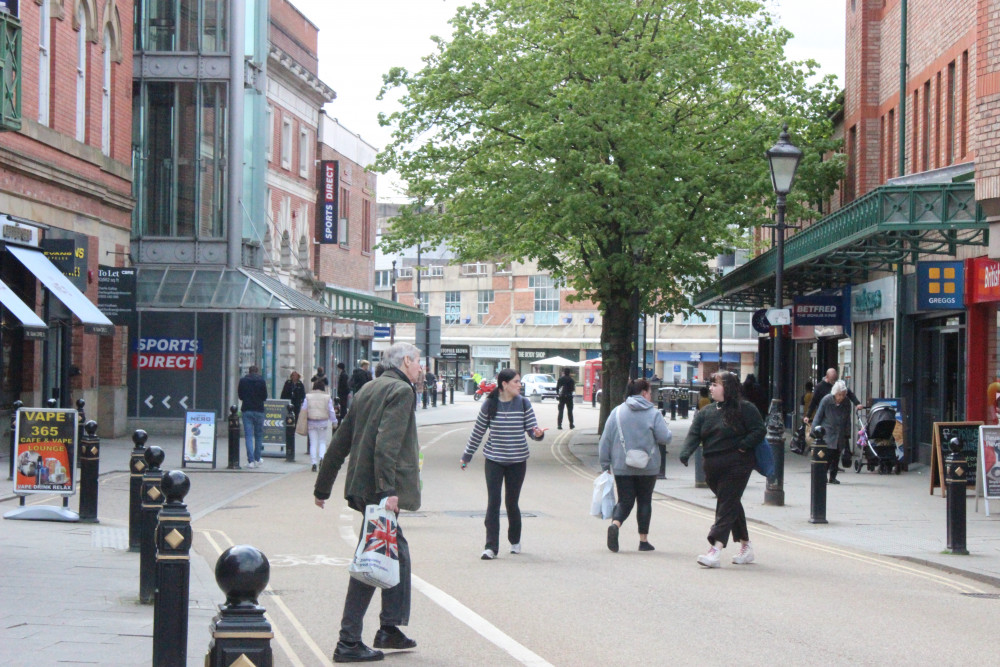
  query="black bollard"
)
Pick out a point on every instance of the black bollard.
point(234, 439)
point(137, 466)
point(423, 396)
point(451, 393)
point(152, 501)
point(955, 477)
point(173, 574)
point(240, 629)
point(662, 474)
point(290, 435)
point(699, 469)
point(817, 482)
point(17, 405)
point(673, 406)
point(81, 419)
point(90, 469)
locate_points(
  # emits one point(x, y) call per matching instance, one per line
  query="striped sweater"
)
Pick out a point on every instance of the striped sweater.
point(507, 442)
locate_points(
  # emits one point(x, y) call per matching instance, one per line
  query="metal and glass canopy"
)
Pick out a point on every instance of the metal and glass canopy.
point(354, 305)
point(892, 225)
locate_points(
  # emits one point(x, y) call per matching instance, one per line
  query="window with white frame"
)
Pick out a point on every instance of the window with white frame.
point(477, 269)
point(546, 299)
point(304, 152)
point(501, 267)
point(81, 76)
point(737, 325)
point(269, 140)
point(106, 99)
point(452, 306)
point(435, 271)
point(483, 305)
point(44, 63)
point(404, 272)
point(286, 143)
point(383, 279)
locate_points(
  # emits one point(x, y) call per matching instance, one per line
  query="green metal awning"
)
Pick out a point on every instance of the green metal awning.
point(357, 306)
point(894, 224)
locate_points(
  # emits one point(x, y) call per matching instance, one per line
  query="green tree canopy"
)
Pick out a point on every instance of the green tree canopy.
point(618, 143)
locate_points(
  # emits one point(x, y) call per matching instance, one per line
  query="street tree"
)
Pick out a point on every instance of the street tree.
point(617, 143)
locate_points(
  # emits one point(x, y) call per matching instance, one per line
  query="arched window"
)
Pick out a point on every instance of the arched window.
point(81, 75)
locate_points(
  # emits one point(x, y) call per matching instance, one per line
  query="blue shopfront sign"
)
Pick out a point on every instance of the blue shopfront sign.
point(819, 310)
point(940, 285)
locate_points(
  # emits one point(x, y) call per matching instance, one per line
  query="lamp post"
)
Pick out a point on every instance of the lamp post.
point(392, 326)
point(783, 159)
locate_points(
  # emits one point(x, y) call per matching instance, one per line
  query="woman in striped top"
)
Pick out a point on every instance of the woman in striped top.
point(509, 418)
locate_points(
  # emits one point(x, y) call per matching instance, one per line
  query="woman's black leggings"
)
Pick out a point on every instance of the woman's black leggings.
point(511, 475)
point(638, 490)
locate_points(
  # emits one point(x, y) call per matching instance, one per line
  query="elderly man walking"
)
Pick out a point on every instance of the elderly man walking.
point(380, 435)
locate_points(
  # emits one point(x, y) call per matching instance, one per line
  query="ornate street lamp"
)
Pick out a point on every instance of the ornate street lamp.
point(783, 159)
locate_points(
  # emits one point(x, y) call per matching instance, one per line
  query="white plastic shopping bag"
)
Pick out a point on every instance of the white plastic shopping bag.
point(602, 505)
point(376, 560)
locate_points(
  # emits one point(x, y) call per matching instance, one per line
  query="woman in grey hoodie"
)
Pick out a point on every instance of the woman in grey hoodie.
point(635, 424)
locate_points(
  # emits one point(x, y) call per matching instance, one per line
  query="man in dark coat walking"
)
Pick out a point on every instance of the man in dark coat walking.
point(823, 388)
point(343, 388)
point(565, 390)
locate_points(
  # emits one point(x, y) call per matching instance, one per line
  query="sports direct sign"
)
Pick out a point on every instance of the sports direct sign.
point(328, 202)
point(819, 310)
point(168, 354)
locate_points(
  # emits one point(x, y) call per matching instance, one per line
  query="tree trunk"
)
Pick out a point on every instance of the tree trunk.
point(617, 336)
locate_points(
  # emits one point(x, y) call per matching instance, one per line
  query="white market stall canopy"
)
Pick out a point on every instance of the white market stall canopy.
point(555, 361)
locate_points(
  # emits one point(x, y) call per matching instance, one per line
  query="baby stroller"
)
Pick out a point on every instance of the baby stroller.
point(876, 446)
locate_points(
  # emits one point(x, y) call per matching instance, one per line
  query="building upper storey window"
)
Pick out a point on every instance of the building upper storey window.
point(194, 26)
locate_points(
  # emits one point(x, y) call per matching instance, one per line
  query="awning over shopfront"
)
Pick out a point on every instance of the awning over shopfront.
point(221, 290)
point(33, 325)
point(894, 224)
point(59, 285)
point(357, 306)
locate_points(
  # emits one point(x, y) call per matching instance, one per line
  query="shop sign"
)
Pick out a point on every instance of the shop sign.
point(382, 331)
point(535, 355)
point(940, 285)
point(819, 310)
point(491, 352)
point(365, 330)
point(45, 442)
point(275, 410)
point(329, 205)
point(69, 255)
point(984, 280)
point(168, 354)
point(875, 300)
point(333, 329)
point(18, 233)
point(454, 353)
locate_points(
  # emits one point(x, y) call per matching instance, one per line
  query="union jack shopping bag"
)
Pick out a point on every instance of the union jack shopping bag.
point(376, 560)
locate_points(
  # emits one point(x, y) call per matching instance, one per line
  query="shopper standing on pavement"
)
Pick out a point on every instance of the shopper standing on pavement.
point(320, 376)
point(320, 416)
point(566, 391)
point(252, 390)
point(822, 390)
point(834, 415)
point(343, 388)
point(727, 434)
point(294, 391)
point(509, 417)
point(360, 377)
point(635, 424)
point(380, 435)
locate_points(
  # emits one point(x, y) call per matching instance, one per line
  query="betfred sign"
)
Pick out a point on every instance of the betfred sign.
point(819, 310)
point(329, 192)
point(168, 354)
point(983, 280)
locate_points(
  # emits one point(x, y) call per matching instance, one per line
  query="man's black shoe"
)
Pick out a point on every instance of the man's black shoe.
point(392, 637)
point(355, 652)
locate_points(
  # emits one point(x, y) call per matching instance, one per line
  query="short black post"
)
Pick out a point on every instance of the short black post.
point(662, 474)
point(423, 397)
point(593, 396)
point(956, 468)
point(137, 466)
point(817, 482)
point(173, 574)
point(290, 435)
point(234, 439)
point(90, 470)
point(451, 393)
point(17, 405)
point(152, 501)
point(673, 405)
point(683, 404)
point(240, 629)
point(81, 419)
point(699, 470)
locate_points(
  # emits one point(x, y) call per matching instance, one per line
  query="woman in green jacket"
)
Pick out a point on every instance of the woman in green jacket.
point(727, 431)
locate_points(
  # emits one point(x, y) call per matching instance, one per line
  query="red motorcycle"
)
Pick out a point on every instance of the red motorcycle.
point(484, 388)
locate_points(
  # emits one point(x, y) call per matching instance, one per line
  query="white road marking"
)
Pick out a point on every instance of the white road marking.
point(443, 435)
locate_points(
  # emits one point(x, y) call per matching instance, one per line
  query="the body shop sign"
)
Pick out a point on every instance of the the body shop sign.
point(328, 204)
point(983, 280)
point(167, 354)
point(875, 300)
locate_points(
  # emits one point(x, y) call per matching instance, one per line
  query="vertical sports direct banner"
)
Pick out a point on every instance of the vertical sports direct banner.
point(328, 209)
point(45, 442)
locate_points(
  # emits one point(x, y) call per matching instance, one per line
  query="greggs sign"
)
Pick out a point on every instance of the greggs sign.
point(983, 280)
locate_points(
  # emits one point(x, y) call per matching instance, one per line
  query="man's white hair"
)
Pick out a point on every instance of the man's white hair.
point(838, 387)
point(393, 357)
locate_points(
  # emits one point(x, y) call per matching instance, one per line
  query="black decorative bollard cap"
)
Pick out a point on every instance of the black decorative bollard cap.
point(80, 403)
point(955, 445)
point(139, 438)
point(154, 457)
point(232, 410)
point(818, 432)
point(51, 403)
point(175, 486)
point(242, 573)
point(90, 427)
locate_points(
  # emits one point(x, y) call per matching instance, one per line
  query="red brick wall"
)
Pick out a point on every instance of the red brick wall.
point(987, 128)
point(293, 33)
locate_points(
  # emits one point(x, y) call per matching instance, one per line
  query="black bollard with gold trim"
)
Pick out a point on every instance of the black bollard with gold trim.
point(136, 466)
point(817, 488)
point(81, 419)
point(17, 405)
point(173, 574)
point(290, 434)
point(234, 439)
point(240, 630)
point(90, 470)
point(956, 466)
point(152, 501)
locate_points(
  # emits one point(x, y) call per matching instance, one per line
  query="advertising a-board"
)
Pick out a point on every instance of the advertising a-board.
point(199, 437)
point(45, 442)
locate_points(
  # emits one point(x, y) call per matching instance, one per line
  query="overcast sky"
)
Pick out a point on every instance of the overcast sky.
point(360, 41)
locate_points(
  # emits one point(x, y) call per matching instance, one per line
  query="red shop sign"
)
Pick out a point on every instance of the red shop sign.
point(983, 280)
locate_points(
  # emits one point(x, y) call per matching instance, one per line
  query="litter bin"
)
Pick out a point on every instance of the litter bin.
point(470, 386)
